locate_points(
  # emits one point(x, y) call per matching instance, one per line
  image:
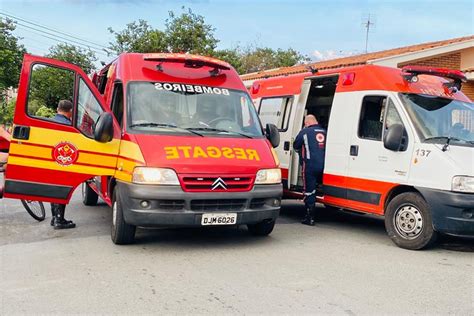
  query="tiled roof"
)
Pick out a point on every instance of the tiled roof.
point(353, 60)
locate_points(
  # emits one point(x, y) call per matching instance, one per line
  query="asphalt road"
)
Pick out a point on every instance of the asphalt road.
point(344, 265)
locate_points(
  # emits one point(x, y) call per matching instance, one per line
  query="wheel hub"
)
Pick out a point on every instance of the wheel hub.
point(408, 221)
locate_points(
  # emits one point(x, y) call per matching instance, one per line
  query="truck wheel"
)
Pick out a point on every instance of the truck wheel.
point(121, 233)
point(408, 221)
point(89, 197)
point(261, 229)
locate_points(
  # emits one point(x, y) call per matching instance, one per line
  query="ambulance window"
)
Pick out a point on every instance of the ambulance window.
point(275, 111)
point(48, 86)
point(392, 116)
point(88, 110)
point(371, 117)
point(117, 103)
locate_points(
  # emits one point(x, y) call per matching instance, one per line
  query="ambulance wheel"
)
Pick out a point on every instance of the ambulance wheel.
point(409, 223)
point(89, 197)
point(261, 229)
point(121, 232)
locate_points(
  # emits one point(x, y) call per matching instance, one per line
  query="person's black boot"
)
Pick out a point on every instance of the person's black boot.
point(60, 222)
point(313, 213)
point(54, 211)
point(308, 219)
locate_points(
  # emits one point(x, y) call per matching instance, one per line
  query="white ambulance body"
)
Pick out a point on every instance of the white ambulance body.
point(400, 143)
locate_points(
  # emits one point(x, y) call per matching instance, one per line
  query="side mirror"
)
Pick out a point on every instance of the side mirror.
point(273, 135)
point(393, 137)
point(104, 128)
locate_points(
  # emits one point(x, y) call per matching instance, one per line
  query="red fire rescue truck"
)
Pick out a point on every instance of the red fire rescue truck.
point(400, 143)
point(165, 139)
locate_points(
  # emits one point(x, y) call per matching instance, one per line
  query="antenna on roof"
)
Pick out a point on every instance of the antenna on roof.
point(368, 22)
point(312, 69)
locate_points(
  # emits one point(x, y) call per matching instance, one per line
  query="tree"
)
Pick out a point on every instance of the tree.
point(7, 112)
point(186, 33)
point(74, 55)
point(189, 33)
point(232, 56)
point(138, 37)
point(49, 85)
point(263, 58)
point(11, 56)
point(44, 111)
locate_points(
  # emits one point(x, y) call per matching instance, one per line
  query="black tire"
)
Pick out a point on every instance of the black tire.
point(89, 197)
point(35, 209)
point(402, 213)
point(261, 229)
point(121, 232)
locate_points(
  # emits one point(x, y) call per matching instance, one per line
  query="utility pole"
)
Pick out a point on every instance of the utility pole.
point(367, 24)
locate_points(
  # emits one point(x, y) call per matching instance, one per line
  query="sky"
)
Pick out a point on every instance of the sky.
point(318, 29)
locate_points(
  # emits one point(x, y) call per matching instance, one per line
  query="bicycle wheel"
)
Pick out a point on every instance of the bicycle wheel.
point(35, 209)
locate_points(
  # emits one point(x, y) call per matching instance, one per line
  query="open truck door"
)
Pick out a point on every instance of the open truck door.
point(49, 159)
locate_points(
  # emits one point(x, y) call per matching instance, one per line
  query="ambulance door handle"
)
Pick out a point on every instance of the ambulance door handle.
point(21, 132)
point(286, 145)
point(354, 150)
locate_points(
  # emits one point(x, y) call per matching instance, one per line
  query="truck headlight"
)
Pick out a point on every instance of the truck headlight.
point(463, 184)
point(148, 175)
point(268, 176)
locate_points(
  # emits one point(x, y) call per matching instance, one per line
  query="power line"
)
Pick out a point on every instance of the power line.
point(53, 30)
point(58, 38)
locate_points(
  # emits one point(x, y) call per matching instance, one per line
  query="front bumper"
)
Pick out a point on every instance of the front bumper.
point(171, 206)
point(453, 213)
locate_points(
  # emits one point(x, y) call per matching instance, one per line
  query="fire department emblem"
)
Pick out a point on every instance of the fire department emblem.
point(65, 153)
point(320, 137)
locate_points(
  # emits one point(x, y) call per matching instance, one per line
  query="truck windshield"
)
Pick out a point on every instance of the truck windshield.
point(440, 120)
point(173, 108)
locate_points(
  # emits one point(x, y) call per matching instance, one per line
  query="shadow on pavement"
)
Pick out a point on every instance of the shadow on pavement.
point(293, 211)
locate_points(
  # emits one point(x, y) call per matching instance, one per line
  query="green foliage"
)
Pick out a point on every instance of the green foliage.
point(44, 111)
point(49, 85)
point(232, 56)
point(7, 112)
point(189, 33)
point(184, 33)
point(74, 55)
point(138, 37)
point(11, 55)
point(262, 58)
point(33, 106)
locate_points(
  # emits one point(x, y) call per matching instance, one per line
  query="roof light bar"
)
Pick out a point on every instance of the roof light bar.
point(410, 74)
point(189, 60)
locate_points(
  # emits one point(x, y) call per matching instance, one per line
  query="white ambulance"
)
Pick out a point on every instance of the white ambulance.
point(400, 143)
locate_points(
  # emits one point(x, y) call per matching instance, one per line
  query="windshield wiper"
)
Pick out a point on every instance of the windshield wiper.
point(447, 138)
point(153, 125)
point(170, 126)
point(216, 130)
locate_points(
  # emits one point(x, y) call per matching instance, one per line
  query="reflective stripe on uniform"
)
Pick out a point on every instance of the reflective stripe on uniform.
point(305, 138)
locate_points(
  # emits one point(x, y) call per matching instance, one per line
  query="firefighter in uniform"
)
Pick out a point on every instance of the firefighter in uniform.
point(310, 143)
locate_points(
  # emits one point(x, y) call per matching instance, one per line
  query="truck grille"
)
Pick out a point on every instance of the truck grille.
point(193, 183)
point(218, 205)
point(173, 205)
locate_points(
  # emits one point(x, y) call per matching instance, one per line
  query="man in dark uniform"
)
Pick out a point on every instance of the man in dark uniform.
point(63, 116)
point(310, 143)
